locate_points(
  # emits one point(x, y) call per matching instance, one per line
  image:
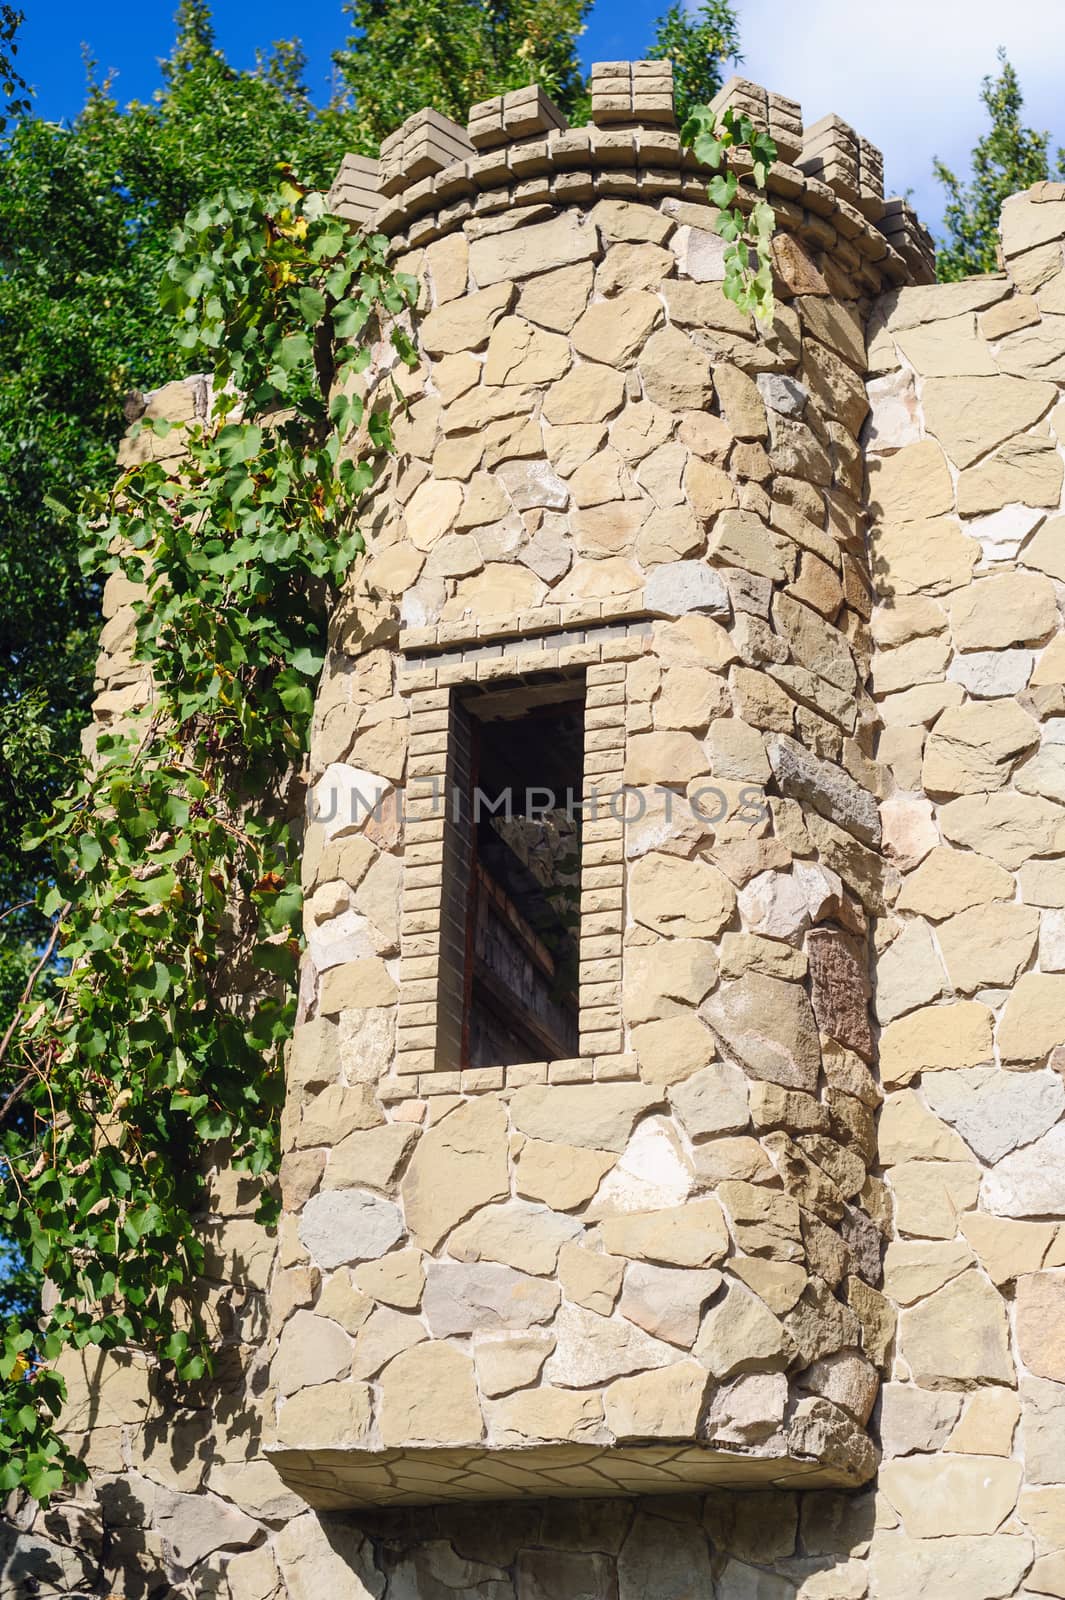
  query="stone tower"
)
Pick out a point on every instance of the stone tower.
point(673, 1131)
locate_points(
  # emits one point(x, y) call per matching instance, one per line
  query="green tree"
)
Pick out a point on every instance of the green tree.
point(698, 43)
point(449, 54)
point(13, 88)
point(86, 213)
point(1009, 158)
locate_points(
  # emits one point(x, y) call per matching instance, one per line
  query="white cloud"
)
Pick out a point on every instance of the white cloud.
point(907, 74)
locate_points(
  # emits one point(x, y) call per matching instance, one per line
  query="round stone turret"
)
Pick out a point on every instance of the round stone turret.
point(591, 1076)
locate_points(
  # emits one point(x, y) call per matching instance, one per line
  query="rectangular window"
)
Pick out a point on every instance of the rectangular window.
point(510, 908)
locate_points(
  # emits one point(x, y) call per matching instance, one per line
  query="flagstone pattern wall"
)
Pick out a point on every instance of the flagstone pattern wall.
point(821, 561)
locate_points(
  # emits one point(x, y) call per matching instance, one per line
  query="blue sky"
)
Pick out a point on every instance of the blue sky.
point(906, 75)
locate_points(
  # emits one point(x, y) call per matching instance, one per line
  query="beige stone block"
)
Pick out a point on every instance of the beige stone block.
point(632, 264)
point(779, 1283)
point(902, 750)
point(691, 1235)
point(332, 1416)
point(909, 973)
point(1007, 827)
point(912, 485)
point(764, 1222)
point(910, 1132)
point(396, 1279)
point(1040, 1301)
point(968, 1496)
point(665, 1404)
point(1043, 883)
point(951, 881)
point(508, 1361)
point(467, 323)
point(914, 1269)
point(912, 707)
point(1042, 1510)
point(741, 539)
point(613, 331)
point(598, 1117)
point(770, 1026)
point(664, 978)
point(1026, 469)
point(952, 1567)
point(596, 482)
point(922, 557)
point(337, 1111)
point(455, 375)
point(546, 1413)
point(987, 1425)
point(950, 348)
point(1033, 1022)
point(428, 1396)
point(667, 1302)
point(1045, 551)
point(975, 747)
point(970, 416)
point(689, 899)
point(447, 262)
point(661, 474)
point(676, 373)
point(958, 1335)
point(1008, 608)
point(931, 1195)
point(556, 299)
point(672, 1049)
point(589, 393)
point(988, 945)
point(598, 580)
point(501, 590)
point(563, 1175)
point(384, 1334)
point(569, 447)
point(541, 247)
point(740, 1334)
point(919, 661)
point(1007, 1249)
point(371, 1157)
point(708, 488)
point(589, 1278)
point(640, 429)
point(518, 1234)
point(678, 755)
point(459, 1165)
point(355, 985)
point(593, 1350)
point(345, 1304)
point(1048, 1574)
point(761, 702)
point(903, 618)
point(1050, 666)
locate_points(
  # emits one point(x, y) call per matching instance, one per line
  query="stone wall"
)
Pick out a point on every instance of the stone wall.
point(605, 470)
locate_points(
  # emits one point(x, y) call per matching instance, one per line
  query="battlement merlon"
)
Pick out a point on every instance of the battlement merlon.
point(517, 149)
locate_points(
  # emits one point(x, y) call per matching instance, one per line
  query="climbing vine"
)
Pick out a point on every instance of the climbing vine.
point(175, 901)
point(747, 228)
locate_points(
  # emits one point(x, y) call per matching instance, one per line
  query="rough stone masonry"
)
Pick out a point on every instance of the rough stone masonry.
point(759, 1296)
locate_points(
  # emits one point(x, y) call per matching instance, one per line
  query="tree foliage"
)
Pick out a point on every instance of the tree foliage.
point(698, 43)
point(175, 878)
point(1009, 158)
point(86, 213)
point(449, 54)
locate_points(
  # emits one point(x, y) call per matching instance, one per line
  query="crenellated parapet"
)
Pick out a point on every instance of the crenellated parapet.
point(826, 186)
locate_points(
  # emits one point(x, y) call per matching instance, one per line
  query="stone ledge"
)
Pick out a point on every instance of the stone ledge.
point(340, 1480)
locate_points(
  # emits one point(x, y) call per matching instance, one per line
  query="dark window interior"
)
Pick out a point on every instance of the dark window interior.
point(522, 917)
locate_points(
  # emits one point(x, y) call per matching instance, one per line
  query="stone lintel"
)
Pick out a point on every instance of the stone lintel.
point(335, 1480)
